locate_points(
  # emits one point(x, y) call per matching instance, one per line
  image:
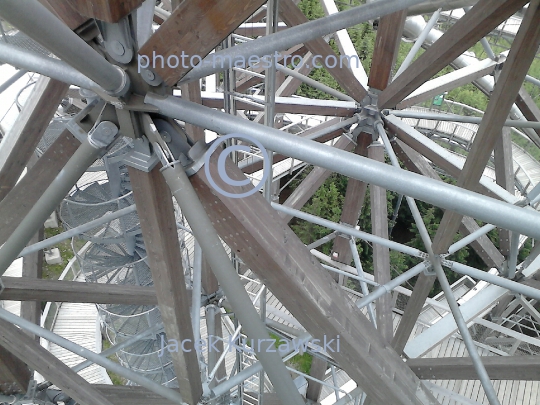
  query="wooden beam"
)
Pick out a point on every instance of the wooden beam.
point(105, 10)
point(318, 371)
point(485, 16)
point(352, 205)
point(315, 179)
point(192, 92)
point(504, 175)
point(65, 12)
point(529, 109)
point(131, 395)
point(40, 359)
point(254, 231)
point(27, 289)
point(14, 373)
point(158, 225)
point(483, 246)
point(381, 254)
point(32, 269)
point(292, 16)
point(517, 368)
point(386, 49)
point(15, 206)
point(21, 141)
point(195, 28)
point(506, 89)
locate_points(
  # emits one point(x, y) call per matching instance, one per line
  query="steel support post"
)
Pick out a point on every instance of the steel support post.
point(95, 357)
point(53, 68)
point(13, 79)
point(92, 148)
point(296, 35)
point(419, 187)
point(470, 238)
point(222, 267)
point(36, 21)
point(363, 285)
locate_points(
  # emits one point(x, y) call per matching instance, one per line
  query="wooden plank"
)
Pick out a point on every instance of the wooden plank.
point(381, 254)
point(105, 10)
point(523, 368)
point(65, 12)
point(504, 175)
point(158, 225)
point(192, 92)
point(292, 16)
point(485, 16)
point(15, 206)
point(386, 49)
point(131, 395)
point(254, 231)
point(352, 204)
point(195, 28)
point(41, 360)
point(504, 94)
point(21, 141)
point(27, 289)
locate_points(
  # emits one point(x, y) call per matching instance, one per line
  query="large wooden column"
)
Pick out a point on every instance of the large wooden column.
point(14, 373)
point(268, 246)
point(158, 224)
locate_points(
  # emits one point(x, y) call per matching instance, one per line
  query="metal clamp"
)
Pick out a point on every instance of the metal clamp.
point(103, 135)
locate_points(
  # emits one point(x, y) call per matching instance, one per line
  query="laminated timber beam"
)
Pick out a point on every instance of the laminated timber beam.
point(105, 10)
point(521, 368)
point(352, 204)
point(485, 16)
point(313, 181)
point(15, 206)
point(529, 109)
point(41, 360)
point(292, 15)
point(158, 225)
point(504, 176)
point(504, 94)
point(14, 373)
point(131, 395)
point(267, 245)
point(21, 141)
point(27, 289)
point(63, 10)
point(195, 28)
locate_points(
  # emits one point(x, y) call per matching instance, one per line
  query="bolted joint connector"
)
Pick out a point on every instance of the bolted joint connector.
point(103, 135)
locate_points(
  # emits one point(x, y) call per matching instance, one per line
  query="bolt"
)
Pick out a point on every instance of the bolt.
point(118, 48)
point(149, 75)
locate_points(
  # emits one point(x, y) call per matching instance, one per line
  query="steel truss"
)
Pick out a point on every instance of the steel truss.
point(220, 260)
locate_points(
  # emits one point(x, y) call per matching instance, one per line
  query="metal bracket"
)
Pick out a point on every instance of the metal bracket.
point(141, 156)
point(369, 115)
point(429, 270)
point(118, 42)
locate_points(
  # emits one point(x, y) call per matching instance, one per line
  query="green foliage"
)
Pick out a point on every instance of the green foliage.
point(300, 362)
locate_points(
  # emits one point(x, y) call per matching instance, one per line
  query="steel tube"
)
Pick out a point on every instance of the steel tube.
point(401, 181)
point(295, 35)
point(466, 336)
point(349, 231)
point(250, 371)
point(363, 285)
point(77, 231)
point(12, 80)
point(532, 80)
point(53, 68)
point(470, 238)
point(314, 83)
point(83, 157)
point(219, 261)
point(196, 294)
point(460, 118)
point(351, 275)
point(36, 21)
point(394, 283)
point(165, 392)
point(513, 257)
point(331, 128)
point(432, 5)
point(419, 42)
point(493, 279)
